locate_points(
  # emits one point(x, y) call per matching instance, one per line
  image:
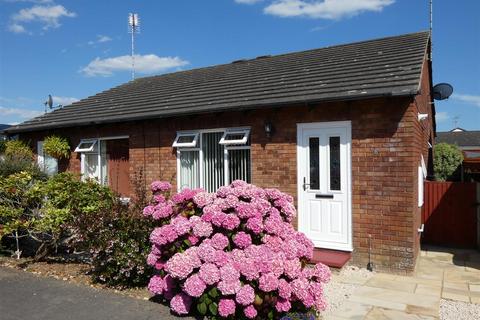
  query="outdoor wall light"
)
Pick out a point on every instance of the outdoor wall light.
point(268, 128)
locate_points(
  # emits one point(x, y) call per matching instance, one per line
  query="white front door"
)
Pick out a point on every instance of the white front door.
point(324, 183)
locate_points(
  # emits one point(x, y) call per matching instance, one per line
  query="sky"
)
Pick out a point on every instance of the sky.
point(75, 49)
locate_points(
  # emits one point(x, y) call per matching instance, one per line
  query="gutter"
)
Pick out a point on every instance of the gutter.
point(31, 128)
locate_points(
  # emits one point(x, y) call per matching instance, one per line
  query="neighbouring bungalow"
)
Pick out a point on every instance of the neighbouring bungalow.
point(346, 129)
point(469, 143)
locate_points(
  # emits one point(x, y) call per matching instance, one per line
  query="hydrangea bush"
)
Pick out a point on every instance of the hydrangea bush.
point(232, 254)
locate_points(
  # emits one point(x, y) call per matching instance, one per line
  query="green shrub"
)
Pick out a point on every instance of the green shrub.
point(19, 149)
point(42, 211)
point(56, 147)
point(447, 161)
point(11, 164)
point(118, 241)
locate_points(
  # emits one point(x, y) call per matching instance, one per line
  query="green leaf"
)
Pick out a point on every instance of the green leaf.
point(270, 314)
point(213, 308)
point(202, 308)
point(213, 292)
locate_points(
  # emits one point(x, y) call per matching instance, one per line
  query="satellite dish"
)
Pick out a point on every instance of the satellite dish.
point(49, 101)
point(442, 91)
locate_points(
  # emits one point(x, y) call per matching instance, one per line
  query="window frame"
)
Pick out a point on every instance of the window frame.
point(238, 142)
point(98, 153)
point(192, 144)
point(199, 148)
point(42, 159)
point(86, 150)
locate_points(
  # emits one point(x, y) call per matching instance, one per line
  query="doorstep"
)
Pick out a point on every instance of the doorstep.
point(332, 258)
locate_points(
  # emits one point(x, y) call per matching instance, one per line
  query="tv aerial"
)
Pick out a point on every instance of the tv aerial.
point(49, 103)
point(442, 91)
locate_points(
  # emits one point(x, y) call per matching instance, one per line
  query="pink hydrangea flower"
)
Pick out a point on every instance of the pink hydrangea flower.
point(162, 210)
point(161, 186)
point(194, 286)
point(322, 272)
point(179, 266)
point(231, 221)
point(209, 273)
point(229, 287)
point(170, 287)
point(242, 240)
point(193, 239)
point(181, 303)
point(206, 252)
point(250, 312)
point(300, 288)
point(148, 211)
point(159, 198)
point(292, 268)
point(283, 305)
point(268, 282)
point(201, 228)
point(229, 273)
point(226, 307)
point(284, 289)
point(222, 258)
point(255, 224)
point(245, 295)
point(203, 199)
point(152, 259)
point(219, 241)
point(218, 217)
point(156, 285)
point(181, 225)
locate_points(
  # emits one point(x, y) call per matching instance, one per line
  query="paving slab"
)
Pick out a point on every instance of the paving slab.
point(387, 314)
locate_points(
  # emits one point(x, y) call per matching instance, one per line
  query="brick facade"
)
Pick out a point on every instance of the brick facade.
point(387, 140)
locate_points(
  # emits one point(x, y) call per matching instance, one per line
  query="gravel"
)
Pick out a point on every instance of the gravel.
point(340, 288)
point(458, 310)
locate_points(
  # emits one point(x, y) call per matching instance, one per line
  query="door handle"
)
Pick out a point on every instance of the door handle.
point(305, 184)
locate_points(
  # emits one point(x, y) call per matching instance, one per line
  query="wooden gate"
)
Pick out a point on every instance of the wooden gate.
point(450, 214)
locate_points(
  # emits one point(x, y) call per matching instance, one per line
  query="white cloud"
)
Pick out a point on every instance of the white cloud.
point(64, 101)
point(19, 112)
point(102, 38)
point(441, 116)
point(467, 98)
point(49, 16)
point(324, 9)
point(16, 28)
point(248, 1)
point(146, 64)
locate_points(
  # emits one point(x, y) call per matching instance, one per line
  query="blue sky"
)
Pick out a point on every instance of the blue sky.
point(74, 49)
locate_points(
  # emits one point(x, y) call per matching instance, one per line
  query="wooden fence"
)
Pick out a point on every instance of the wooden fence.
point(450, 214)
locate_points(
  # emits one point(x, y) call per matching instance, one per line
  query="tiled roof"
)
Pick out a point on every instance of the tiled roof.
point(460, 138)
point(382, 67)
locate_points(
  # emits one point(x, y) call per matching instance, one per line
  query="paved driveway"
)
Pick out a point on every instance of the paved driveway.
point(26, 296)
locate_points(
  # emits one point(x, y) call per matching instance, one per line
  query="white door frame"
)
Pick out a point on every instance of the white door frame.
point(300, 162)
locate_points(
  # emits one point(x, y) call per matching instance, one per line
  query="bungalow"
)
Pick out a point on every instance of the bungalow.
point(345, 129)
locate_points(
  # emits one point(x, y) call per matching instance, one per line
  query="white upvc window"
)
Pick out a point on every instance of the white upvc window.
point(186, 140)
point(45, 162)
point(235, 137)
point(94, 158)
point(210, 164)
point(87, 145)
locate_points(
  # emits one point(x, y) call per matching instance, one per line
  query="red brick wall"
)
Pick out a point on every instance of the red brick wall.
point(386, 143)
